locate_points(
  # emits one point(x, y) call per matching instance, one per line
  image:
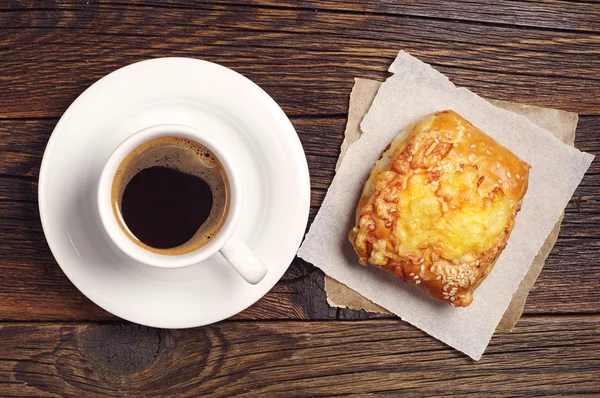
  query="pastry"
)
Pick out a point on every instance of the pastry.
point(439, 206)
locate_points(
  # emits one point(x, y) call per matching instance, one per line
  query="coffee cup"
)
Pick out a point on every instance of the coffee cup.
point(157, 175)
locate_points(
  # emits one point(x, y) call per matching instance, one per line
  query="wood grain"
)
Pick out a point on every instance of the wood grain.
point(295, 358)
point(578, 16)
point(304, 58)
point(567, 284)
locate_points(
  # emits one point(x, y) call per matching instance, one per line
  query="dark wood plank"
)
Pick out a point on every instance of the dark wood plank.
point(544, 356)
point(354, 34)
point(551, 14)
point(567, 284)
point(552, 68)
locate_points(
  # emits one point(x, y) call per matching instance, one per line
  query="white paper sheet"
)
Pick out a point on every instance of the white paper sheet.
point(416, 90)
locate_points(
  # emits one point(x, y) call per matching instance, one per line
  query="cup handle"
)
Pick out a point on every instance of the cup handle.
point(243, 260)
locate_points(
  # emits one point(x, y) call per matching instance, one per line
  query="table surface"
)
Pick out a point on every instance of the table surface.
point(305, 54)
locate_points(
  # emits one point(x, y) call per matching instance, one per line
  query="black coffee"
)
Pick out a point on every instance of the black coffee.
point(171, 195)
point(164, 208)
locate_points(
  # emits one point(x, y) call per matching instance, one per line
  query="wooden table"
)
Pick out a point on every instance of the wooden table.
point(55, 342)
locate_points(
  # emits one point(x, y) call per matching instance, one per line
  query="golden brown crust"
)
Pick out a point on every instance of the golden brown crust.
point(439, 206)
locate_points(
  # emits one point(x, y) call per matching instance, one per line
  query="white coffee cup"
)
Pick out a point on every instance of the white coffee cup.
point(225, 241)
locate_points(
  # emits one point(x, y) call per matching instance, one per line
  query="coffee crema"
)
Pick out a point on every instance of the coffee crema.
point(170, 195)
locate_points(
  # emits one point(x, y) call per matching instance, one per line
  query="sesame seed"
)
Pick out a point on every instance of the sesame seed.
point(488, 152)
point(431, 269)
point(416, 277)
point(411, 274)
point(417, 282)
point(508, 174)
point(422, 268)
point(499, 181)
point(430, 149)
point(452, 298)
point(455, 145)
point(473, 146)
point(518, 177)
point(497, 165)
point(471, 158)
point(421, 260)
point(438, 278)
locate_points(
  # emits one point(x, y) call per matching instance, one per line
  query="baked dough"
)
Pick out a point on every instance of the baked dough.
point(439, 206)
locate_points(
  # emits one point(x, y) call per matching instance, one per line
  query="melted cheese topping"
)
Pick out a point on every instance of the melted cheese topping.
point(472, 224)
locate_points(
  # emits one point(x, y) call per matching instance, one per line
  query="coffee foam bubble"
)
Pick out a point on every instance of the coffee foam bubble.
point(188, 157)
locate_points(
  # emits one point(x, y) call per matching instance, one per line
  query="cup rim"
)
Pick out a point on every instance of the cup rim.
point(115, 231)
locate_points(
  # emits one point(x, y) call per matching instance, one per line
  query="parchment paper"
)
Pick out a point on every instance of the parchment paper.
point(561, 124)
point(412, 92)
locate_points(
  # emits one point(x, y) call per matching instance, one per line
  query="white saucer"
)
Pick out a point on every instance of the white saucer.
point(212, 98)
